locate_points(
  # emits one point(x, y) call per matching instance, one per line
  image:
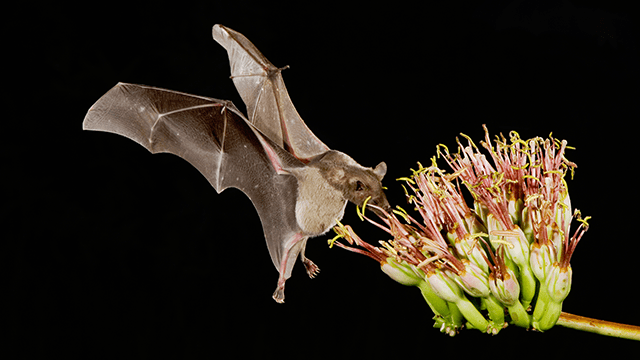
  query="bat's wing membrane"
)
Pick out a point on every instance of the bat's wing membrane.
point(214, 137)
point(263, 91)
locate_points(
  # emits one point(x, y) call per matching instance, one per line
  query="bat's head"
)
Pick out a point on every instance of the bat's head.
point(357, 183)
point(366, 183)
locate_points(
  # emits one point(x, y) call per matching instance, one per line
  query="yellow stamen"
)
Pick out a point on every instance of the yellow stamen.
point(407, 179)
point(504, 233)
point(520, 167)
point(474, 238)
point(331, 241)
point(519, 141)
point(433, 162)
point(583, 221)
point(469, 139)
point(402, 213)
point(531, 177)
point(364, 205)
point(427, 261)
point(389, 247)
point(553, 172)
point(340, 230)
point(438, 152)
point(504, 242)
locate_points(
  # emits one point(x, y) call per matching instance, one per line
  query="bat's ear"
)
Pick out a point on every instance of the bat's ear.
point(380, 170)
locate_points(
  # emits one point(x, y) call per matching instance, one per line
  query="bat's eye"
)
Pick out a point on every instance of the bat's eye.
point(359, 185)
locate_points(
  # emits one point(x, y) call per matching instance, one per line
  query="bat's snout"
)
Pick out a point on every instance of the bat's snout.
point(380, 205)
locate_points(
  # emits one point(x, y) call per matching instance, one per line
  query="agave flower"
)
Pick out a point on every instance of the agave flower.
point(474, 264)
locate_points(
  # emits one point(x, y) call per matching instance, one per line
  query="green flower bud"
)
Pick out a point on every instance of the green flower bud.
point(557, 238)
point(526, 225)
point(507, 289)
point(448, 290)
point(444, 286)
point(474, 223)
point(402, 273)
point(468, 249)
point(540, 260)
point(481, 210)
point(518, 248)
point(515, 209)
point(473, 280)
point(558, 282)
point(409, 275)
point(452, 237)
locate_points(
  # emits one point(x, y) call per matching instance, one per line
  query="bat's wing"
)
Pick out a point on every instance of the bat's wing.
point(214, 137)
point(262, 89)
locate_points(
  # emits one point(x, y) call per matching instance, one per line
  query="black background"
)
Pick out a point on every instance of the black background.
point(114, 253)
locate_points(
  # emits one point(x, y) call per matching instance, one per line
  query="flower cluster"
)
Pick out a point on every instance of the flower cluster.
point(509, 251)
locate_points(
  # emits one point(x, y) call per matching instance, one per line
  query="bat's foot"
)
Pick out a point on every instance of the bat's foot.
point(278, 295)
point(312, 269)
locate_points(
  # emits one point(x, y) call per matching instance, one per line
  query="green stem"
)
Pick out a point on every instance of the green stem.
point(519, 315)
point(496, 311)
point(456, 315)
point(473, 316)
point(541, 305)
point(550, 317)
point(527, 285)
point(601, 327)
point(437, 305)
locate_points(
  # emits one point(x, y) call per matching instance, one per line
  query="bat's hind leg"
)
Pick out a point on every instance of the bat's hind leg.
point(312, 269)
point(278, 295)
point(295, 246)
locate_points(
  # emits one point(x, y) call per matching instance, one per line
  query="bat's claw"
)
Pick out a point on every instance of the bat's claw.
point(278, 295)
point(312, 269)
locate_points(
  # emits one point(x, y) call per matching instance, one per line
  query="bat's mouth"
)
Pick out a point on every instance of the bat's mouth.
point(380, 210)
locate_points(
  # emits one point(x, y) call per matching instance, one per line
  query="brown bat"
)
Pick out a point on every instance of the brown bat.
point(298, 185)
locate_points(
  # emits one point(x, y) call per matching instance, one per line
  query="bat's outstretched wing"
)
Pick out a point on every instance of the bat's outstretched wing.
point(214, 137)
point(262, 89)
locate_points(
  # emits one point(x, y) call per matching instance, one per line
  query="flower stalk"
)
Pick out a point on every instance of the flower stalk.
point(601, 327)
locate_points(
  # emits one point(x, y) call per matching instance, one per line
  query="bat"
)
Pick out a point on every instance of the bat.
point(298, 185)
